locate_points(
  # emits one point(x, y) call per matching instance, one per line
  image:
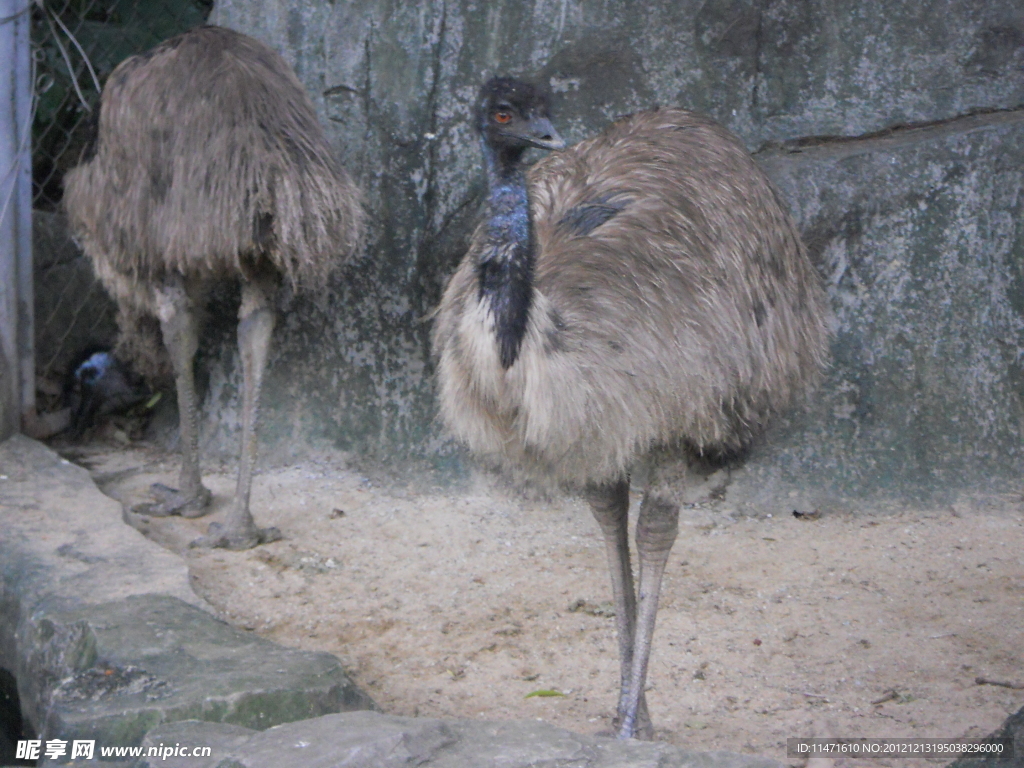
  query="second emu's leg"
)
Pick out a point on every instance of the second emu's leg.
point(177, 315)
point(657, 526)
point(610, 505)
point(255, 327)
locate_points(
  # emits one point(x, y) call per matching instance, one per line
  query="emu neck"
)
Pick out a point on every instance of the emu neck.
point(505, 265)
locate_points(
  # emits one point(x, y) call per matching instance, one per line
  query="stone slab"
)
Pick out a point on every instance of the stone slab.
point(374, 740)
point(1013, 728)
point(104, 635)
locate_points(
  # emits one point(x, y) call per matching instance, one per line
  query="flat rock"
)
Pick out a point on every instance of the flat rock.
point(104, 635)
point(374, 740)
point(1013, 728)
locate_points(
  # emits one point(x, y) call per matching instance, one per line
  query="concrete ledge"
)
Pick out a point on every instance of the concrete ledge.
point(373, 740)
point(104, 635)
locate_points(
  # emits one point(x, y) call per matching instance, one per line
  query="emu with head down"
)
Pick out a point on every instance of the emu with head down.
point(209, 163)
point(641, 290)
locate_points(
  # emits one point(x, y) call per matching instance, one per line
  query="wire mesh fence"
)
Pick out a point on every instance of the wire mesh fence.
point(70, 35)
point(76, 44)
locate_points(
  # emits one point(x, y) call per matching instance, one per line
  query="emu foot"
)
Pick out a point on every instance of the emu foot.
point(642, 730)
point(170, 501)
point(220, 537)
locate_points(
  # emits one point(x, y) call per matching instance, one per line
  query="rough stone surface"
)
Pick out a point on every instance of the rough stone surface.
point(124, 667)
point(1013, 728)
point(769, 71)
point(372, 740)
point(104, 635)
point(919, 236)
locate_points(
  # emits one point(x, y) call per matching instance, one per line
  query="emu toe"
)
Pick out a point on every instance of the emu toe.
point(640, 727)
point(643, 728)
point(170, 501)
point(223, 537)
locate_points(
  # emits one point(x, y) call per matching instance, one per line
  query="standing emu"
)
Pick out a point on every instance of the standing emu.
point(209, 163)
point(641, 290)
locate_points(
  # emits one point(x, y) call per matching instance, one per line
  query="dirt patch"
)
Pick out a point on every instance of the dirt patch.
point(463, 604)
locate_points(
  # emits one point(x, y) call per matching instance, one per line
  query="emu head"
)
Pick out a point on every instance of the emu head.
point(513, 115)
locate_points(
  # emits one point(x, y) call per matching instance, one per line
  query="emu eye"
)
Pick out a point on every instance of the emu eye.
point(501, 116)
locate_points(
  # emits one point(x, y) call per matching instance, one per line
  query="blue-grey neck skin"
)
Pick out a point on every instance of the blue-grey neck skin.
point(505, 265)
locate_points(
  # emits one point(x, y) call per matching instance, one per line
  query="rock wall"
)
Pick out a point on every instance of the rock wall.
point(917, 232)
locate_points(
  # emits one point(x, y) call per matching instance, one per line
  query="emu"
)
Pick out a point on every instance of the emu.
point(209, 163)
point(640, 292)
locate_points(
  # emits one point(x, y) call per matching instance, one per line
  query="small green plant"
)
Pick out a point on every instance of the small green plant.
point(545, 692)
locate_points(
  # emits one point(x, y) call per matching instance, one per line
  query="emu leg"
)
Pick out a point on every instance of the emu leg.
point(610, 505)
point(255, 327)
point(176, 312)
point(656, 529)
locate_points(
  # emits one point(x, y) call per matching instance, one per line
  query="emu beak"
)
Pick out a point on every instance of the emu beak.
point(542, 134)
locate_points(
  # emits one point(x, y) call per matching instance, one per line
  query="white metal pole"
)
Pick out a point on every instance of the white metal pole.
point(26, 301)
point(16, 310)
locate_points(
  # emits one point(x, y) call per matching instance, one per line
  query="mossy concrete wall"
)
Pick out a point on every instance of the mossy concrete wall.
point(918, 234)
point(920, 237)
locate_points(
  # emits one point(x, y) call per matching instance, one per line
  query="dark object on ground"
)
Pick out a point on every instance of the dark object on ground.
point(806, 516)
point(102, 385)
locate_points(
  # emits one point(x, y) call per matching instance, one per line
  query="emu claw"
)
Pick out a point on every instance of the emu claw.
point(218, 537)
point(642, 728)
point(170, 501)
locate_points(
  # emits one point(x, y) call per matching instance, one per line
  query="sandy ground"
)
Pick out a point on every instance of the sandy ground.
point(461, 604)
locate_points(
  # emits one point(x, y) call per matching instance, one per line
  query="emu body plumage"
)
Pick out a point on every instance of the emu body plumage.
point(209, 163)
point(671, 303)
point(209, 155)
point(691, 314)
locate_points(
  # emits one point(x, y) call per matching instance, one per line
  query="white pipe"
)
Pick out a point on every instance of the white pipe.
point(16, 306)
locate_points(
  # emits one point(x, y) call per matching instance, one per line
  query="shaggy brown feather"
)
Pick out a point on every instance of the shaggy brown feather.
point(692, 315)
point(210, 158)
point(209, 163)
